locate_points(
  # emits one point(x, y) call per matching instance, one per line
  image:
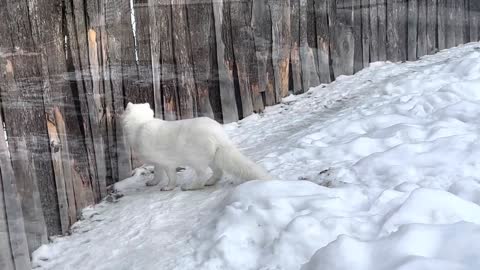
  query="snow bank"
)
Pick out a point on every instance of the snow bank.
point(281, 222)
point(419, 247)
point(401, 162)
point(281, 225)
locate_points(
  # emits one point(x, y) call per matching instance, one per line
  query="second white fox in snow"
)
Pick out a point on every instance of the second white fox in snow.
point(198, 143)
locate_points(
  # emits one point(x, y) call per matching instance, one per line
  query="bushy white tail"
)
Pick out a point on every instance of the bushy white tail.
point(229, 159)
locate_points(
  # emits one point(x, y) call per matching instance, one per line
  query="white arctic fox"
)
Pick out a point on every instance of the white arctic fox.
point(198, 143)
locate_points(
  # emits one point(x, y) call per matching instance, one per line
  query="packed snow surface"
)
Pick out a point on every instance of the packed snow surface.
point(376, 171)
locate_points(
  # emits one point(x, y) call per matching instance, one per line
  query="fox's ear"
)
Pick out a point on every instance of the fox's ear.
point(130, 104)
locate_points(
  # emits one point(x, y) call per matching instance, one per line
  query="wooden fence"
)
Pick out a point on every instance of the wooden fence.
point(68, 67)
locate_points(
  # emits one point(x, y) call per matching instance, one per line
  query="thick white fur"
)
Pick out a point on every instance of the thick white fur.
point(197, 143)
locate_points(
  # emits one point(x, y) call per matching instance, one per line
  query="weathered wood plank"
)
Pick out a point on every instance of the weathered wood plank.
point(422, 29)
point(245, 58)
point(115, 11)
point(55, 85)
point(107, 122)
point(225, 61)
point(78, 37)
point(141, 90)
point(442, 24)
point(11, 202)
point(466, 23)
point(132, 82)
point(257, 100)
point(63, 164)
point(168, 73)
point(78, 158)
point(77, 47)
point(463, 23)
point(200, 20)
point(144, 84)
point(79, 80)
point(382, 29)
point(137, 59)
point(474, 20)
point(312, 32)
point(343, 40)
point(355, 7)
point(366, 34)
point(230, 55)
point(412, 30)
point(23, 173)
point(374, 43)
point(214, 83)
point(323, 40)
point(402, 25)
point(243, 46)
point(451, 24)
point(459, 22)
point(432, 26)
point(129, 63)
point(23, 106)
point(22, 164)
point(296, 68)
point(72, 187)
point(96, 105)
point(396, 30)
point(6, 258)
point(187, 92)
point(307, 57)
point(155, 53)
point(262, 25)
point(67, 211)
point(280, 14)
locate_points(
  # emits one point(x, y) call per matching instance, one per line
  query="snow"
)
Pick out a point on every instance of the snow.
point(435, 248)
point(375, 171)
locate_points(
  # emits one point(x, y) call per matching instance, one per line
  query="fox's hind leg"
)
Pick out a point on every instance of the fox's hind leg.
point(160, 176)
point(199, 182)
point(217, 175)
point(172, 179)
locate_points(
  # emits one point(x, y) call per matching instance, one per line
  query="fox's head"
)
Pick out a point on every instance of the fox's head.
point(141, 110)
point(135, 113)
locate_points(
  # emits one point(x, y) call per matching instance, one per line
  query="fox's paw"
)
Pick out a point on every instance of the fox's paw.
point(167, 188)
point(152, 182)
point(212, 181)
point(186, 187)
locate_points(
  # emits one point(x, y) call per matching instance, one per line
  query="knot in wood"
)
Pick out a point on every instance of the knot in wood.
point(55, 146)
